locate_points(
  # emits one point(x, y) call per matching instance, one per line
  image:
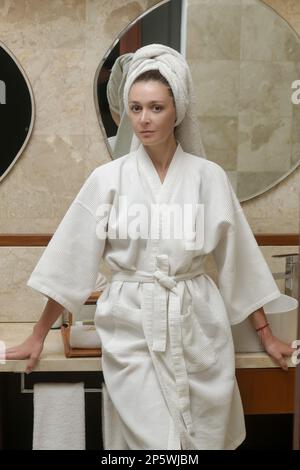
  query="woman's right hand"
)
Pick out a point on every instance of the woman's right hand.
point(30, 349)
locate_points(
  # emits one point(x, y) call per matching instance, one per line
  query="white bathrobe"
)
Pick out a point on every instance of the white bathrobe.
point(167, 349)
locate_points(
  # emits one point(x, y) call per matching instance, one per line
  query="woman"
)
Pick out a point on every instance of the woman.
point(164, 325)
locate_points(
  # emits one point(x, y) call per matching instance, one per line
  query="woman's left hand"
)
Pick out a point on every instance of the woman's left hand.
point(277, 349)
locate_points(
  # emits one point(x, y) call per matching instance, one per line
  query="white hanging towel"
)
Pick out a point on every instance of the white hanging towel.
point(59, 416)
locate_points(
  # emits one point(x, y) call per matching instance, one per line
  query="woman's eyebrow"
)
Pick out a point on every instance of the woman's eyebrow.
point(150, 102)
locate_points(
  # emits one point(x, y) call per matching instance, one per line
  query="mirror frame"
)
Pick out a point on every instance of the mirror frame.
point(33, 108)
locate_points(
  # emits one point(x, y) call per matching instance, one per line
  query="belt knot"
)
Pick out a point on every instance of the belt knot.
point(164, 280)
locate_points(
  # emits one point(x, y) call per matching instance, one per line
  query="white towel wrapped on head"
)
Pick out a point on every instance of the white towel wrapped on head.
point(175, 69)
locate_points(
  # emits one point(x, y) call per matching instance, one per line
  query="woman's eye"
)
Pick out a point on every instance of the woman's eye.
point(137, 108)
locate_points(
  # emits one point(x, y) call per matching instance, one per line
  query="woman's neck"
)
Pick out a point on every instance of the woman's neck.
point(162, 154)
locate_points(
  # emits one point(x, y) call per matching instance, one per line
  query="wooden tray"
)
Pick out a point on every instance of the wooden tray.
point(76, 352)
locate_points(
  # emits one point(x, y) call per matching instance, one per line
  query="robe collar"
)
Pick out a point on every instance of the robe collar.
point(161, 191)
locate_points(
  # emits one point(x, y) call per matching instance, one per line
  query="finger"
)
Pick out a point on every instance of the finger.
point(31, 364)
point(11, 349)
point(14, 355)
point(283, 363)
point(279, 359)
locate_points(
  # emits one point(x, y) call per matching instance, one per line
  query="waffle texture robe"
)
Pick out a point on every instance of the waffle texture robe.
point(165, 326)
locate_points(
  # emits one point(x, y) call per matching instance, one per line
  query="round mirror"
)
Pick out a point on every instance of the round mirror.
point(16, 110)
point(244, 59)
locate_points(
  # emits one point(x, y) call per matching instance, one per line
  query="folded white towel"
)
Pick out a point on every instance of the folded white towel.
point(59, 416)
point(84, 336)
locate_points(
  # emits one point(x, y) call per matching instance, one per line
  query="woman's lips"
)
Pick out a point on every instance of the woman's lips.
point(147, 132)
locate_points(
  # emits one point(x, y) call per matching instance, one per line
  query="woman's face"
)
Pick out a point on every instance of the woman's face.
point(151, 108)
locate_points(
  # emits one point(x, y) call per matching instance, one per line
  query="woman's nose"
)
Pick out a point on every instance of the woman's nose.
point(144, 116)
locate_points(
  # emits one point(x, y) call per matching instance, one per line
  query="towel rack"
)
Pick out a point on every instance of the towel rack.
point(23, 389)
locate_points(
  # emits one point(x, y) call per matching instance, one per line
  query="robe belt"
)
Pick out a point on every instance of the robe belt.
point(160, 314)
point(162, 281)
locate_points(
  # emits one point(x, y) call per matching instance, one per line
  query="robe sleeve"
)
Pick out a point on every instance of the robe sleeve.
point(69, 266)
point(244, 278)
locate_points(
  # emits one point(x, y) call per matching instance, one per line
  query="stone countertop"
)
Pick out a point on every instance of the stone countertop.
point(53, 357)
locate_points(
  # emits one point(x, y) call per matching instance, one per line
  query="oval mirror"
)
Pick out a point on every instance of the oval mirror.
point(244, 58)
point(16, 110)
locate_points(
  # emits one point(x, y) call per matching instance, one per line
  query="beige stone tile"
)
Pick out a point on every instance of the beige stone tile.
point(28, 225)
point(44, 182)
point(59, 89)
point(57, 78)
point(265, 87)
point(216, 86)
point(18, 301)
point(107, 20)
point(266, 36)
point(285, 7)
point(296, 124)
point(294, 21)
point(97, 154)
point(213, 31)
point(44, 24)
point(276, 210)
point(264, 143)
point(295, 154)
point(112, 15)
point(295, 145)
point(253, 183)
point(35, 11)
point(146, 4)
point(214, 2)
point(220, 139)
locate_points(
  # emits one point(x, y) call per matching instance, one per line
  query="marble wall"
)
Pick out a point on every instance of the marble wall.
point(244, 56)
point(59, 44)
